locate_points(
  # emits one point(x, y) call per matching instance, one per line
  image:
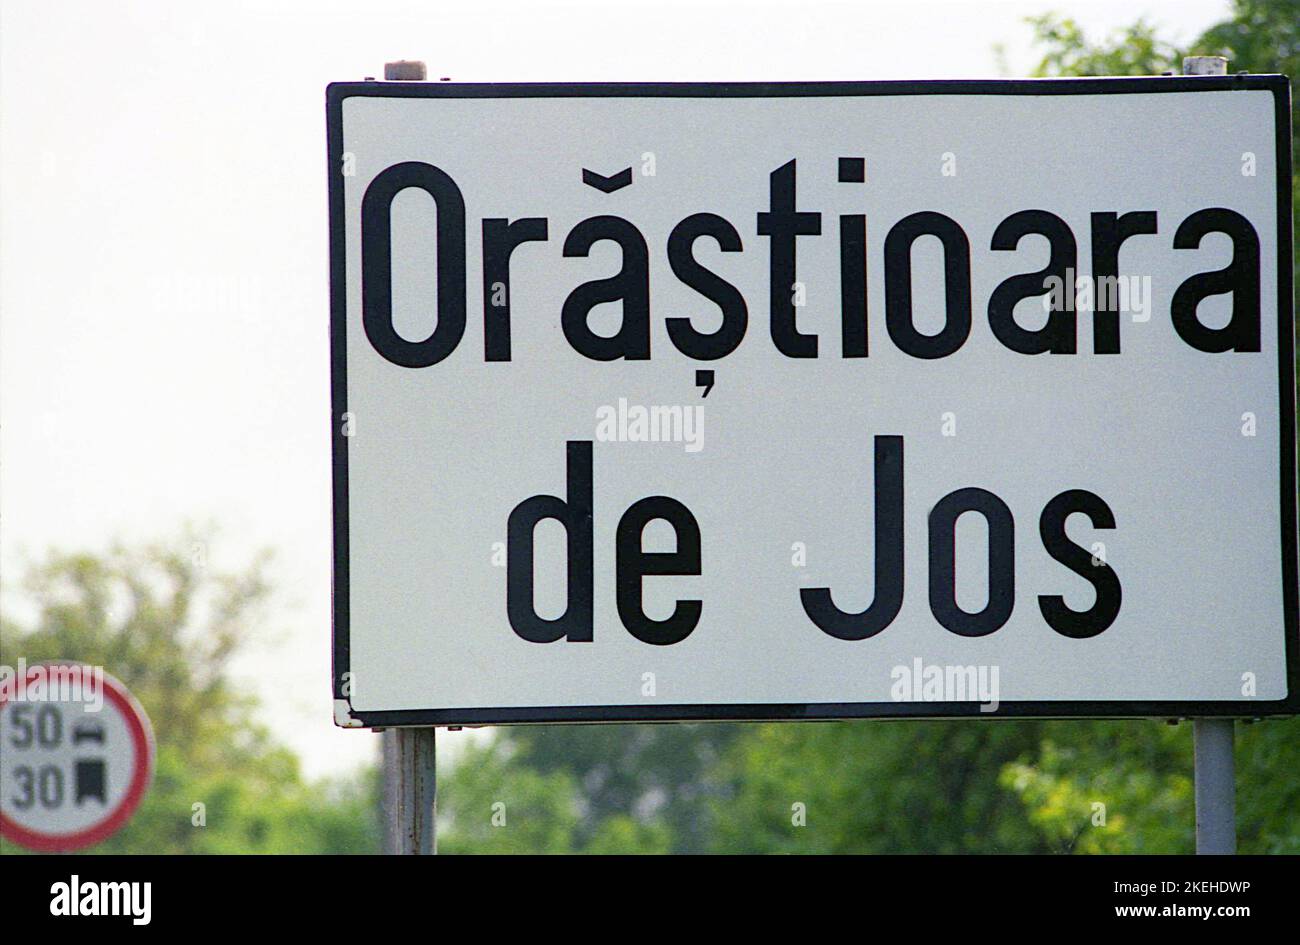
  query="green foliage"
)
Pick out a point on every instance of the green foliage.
point(164, 625)
point(487, 804)
point(1109, 787)
point(995, 786)
point(1068, 52)
point(585, 789)
point(1261, 36)
point(654, 774)
point(621, 834)
point(875, 787)
point(1268, 789)
point(1141, 773)
point(942, 787)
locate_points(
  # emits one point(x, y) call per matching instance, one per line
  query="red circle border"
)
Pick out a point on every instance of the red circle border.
point(141, 731)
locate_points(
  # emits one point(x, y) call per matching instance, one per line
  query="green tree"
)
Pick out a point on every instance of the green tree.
point(875, 787)
point(487, 804)
point(1067, 51)
point(163, 623)
point(494, 801)
point(1141, 775)
point(654, 776)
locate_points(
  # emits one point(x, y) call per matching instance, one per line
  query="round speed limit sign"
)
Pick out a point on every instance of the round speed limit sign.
point(76, 755)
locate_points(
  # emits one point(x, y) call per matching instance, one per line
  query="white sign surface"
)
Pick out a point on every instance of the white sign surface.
point(809, 401)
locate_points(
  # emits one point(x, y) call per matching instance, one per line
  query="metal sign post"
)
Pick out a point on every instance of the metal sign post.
point(1216, 813)
point(410, 754)
point(410, 791)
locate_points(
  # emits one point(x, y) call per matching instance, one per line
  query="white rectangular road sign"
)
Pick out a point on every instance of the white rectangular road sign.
point(812, 400)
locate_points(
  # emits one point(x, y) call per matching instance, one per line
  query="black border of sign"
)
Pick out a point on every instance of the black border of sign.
point(337, 92)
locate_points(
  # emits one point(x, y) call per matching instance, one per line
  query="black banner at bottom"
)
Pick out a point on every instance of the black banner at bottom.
point(80, 895)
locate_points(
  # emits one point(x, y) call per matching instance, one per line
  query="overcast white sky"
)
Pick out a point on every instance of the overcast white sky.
point(163, 277)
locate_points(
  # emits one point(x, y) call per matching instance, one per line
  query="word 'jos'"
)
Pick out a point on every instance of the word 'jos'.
point(575, 512)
